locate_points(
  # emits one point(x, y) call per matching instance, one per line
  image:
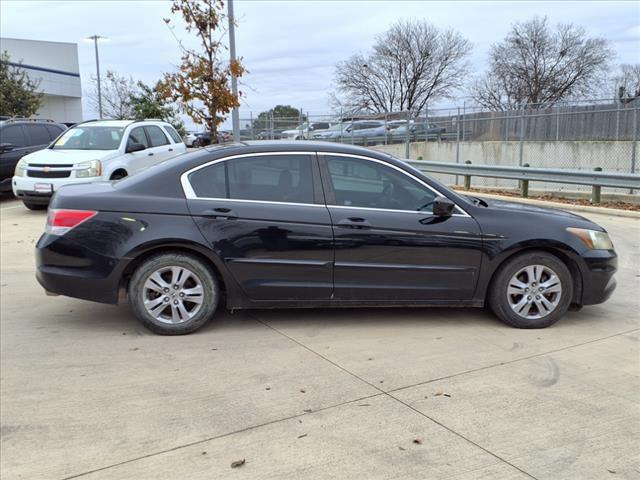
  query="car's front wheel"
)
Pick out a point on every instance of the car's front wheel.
point(532, 290)
point(173, 293)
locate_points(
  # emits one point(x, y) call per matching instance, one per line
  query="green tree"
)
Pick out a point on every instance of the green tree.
point(284, 117)
point(149, 102)
point(19, 96)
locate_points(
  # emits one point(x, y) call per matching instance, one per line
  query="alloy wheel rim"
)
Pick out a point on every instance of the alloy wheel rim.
point(534, 291)
point(173, 295)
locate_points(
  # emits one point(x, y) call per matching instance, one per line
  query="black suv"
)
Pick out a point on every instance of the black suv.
point(20, 136)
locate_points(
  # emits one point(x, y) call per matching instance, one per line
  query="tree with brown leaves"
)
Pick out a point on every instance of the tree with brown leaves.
point(201, 85)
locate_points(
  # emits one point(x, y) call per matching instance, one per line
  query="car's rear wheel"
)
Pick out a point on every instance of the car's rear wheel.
point(173, 293)
point(35, 206)
point(532, 290)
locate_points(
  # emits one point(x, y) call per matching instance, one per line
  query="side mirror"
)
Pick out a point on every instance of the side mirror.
point(443, 207)
point(135, 147)
point(6, 147)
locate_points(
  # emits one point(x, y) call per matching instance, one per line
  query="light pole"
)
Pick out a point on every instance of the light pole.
point(235, 115)
point(95, 39)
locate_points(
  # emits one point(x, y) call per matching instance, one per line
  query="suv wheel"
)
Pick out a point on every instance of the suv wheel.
point(532, 290)
point(173, 293)
point(35, 206)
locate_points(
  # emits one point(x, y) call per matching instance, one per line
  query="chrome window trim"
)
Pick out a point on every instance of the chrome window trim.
point(191, 195)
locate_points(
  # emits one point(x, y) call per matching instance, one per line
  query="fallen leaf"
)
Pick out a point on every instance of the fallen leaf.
point(364, 405)
point(204, 453)
point(308, 410)
point(124, 333)
point(238, 463)
point(302, 390)
point(302, 436)
point(213, 349)
point(437, 394)
point(267, 388)
point(381, 381)
point(401, 448)
point(426, 396)
point(134, 349)
point(370, 358)
point(417, 441)
point(611, 471)
point(446, 395)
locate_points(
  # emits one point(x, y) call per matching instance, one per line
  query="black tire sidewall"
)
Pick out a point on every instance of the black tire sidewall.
point(209, 284)
point(498, 293)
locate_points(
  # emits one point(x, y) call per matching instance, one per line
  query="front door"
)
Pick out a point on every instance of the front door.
point(264, 215)
point(388, 245)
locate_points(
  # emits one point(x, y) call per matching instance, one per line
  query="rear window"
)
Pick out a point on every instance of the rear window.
point(156, 136)
point(13, 134)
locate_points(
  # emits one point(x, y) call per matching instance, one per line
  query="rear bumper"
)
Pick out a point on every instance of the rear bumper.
point(95, 278)
point(598, 278)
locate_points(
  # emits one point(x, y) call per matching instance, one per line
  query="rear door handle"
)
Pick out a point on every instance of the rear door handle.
point(354, 222)
point(150, 154)
point(171, 149)
point(220, 212)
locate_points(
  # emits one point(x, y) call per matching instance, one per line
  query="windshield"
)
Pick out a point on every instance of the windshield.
point(90, 138)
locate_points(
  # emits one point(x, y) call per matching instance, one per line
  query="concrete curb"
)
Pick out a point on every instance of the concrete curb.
point(563, 206)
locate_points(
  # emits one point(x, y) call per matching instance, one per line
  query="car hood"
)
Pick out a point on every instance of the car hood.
point(49, 156)
point(526, 208)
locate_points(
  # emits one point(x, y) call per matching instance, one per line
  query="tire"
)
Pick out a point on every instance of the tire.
point(35, 206)
point(524, 273)
point(118, 175)
point(162, 317)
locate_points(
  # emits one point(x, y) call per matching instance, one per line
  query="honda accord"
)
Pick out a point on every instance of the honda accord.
point(306, 224)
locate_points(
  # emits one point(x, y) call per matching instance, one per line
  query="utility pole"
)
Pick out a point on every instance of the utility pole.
point(95, 39)
point(235, 114)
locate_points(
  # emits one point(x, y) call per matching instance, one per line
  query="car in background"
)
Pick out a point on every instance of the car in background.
point(93, 151)
point(19, 137)
point(270, 135)
point(308, 225)
point(357, 131)
point(305, 131)
point(203, 139)
point(189, 138)
point(417, 131)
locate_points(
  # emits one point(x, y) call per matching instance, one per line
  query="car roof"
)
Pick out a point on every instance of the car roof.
point(252, 146)
point(119, 123)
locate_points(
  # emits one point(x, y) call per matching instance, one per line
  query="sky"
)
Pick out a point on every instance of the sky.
point(290, 48)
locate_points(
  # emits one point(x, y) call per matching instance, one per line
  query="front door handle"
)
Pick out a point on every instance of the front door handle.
point(354, 222)
point(220, 212)
point(171, 149)
point(150, 154)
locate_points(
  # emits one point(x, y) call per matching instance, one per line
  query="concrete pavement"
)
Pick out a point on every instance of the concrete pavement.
point(389, 393)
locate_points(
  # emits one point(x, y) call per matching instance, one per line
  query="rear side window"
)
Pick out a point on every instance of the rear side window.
point(209, 182)
point(156, 136)
point(39, 134)
point(276, 178)
point(13, 134)
point(173, 134)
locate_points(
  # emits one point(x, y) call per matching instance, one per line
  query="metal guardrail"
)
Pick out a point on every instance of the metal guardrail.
point(553, 175)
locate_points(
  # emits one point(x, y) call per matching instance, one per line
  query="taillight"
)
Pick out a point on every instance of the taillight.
point(61, 221)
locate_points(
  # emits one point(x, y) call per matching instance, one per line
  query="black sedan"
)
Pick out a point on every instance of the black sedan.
point(277, 224)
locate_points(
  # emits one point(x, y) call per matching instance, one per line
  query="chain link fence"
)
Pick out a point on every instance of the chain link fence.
point(586, 134)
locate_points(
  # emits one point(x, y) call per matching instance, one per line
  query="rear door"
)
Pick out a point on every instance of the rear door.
point(264, 215)
point(161, 148)
point(388, 245)
point(138, 161)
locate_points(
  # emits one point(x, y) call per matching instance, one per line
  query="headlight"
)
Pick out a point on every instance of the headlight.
point(593, 239)
point(21, 166)
point(89, 169)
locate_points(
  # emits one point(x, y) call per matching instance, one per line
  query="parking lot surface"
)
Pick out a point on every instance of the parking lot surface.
point(363, 393)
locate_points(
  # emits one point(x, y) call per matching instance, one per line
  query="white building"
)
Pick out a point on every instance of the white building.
point(55, 66)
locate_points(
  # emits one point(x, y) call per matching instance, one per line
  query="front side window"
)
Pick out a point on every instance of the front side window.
point(39, 134)
point(156, 136)
point(137, 136)
point(364, 183)
point(90, 138)
point(269, 178)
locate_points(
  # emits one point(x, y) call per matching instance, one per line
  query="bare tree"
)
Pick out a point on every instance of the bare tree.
point(117, 92)
point(410, 64)
point(538, 65)
point(626, 83)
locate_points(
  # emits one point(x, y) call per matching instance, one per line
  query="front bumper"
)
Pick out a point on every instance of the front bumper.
point(25, 187)
point(598, 282)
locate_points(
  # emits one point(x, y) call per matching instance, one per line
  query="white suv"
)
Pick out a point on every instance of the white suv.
point(93, 151)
